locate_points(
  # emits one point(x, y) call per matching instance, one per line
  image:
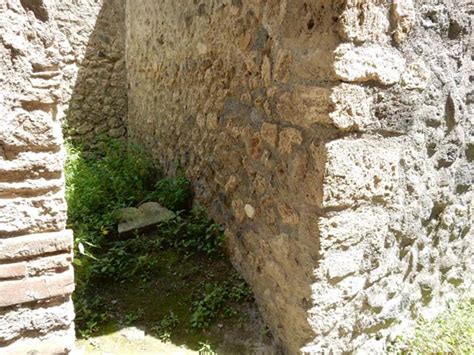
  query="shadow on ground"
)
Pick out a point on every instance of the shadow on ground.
point(153, 312)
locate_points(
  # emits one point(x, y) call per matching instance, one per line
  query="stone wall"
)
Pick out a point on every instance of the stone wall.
point(94, 102)
point(36, 276)
point(334, 141)
point(398, 240)
point(57, 64)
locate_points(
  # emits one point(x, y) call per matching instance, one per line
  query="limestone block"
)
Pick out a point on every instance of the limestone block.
point(26, 130)
point(49, 264)
point(360, 170)
point(364, 20)
point(352, 285)
point(369, 62)
point(339, 264)
point(348, 228)
point(325, 295)
point(36, 288)
point(30, 165)
point(403, 16)
point(35, 244)
point(41, 321)
point(352, 108)
point(30, 187)
point(55, 342)
point(32, 215)
point(145, 216)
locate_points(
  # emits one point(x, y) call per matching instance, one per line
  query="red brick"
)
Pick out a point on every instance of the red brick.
point(35, 244)
point(10, 271)
point(35, 288)
point(49, 264)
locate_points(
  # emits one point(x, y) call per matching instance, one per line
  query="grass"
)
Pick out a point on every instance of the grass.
point(176, 303)
point(452, 332)
point(175, 282)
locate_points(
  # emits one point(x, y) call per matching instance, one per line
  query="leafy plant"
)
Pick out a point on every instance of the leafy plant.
point(452, 332)
point(205, 349)
point(121, 176)
point(216, 300)
point(93, 312)
point(193, 231)
point(96, 186)
point(99, 184)
point(165, 326)
point(133, 317)
point(173, 193)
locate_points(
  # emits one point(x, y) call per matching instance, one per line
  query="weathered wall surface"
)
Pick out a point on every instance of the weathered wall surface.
point(399, 240)
point(36, 276)
point(57, 64)
point(213, 85)
point(94, 101)
point(333, 139)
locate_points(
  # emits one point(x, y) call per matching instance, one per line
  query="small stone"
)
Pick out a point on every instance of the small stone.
point(249, 211)
point(269, 133)
point(266, 71)
point(288, 215)
point(288, 138)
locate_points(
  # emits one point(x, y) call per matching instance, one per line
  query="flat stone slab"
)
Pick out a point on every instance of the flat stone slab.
point(145, 217)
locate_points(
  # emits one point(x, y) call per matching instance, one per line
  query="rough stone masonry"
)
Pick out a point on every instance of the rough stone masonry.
point(49, 51)
point(334, 139)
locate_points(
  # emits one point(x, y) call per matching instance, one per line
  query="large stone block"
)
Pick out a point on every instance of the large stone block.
point(361, 171)
point(30, 187)
point(364, 20)
point(382, 64)
point(23, 130)
point(346, 229)
point(48, 265)
point(54, 342)
point(35, 215)
point(39, 320)
point(31, 165)
point(351, 108)
point(12, 271)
